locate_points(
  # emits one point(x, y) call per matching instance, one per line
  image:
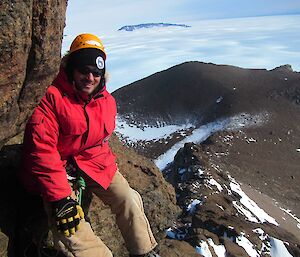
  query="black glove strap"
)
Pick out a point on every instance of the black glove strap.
point(67, 214)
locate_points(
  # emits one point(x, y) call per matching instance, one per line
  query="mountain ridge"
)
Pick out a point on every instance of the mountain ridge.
point(264, 156)
point(151, 25)
point(153, 96)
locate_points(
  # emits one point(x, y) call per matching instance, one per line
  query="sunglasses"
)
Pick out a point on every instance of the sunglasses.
point(87, 70)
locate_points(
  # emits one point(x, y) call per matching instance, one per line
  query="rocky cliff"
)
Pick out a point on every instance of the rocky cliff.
point(23, 222)
point(30, 42)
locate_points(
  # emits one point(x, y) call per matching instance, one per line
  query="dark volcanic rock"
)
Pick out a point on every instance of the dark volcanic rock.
point(264, 158)
point(264, 155)
point(212, 210)
point(202, 92)
point(174, 248)
point(30, 43)
point(233, 250)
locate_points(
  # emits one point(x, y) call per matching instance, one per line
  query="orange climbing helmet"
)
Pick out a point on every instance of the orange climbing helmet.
point(87, 41)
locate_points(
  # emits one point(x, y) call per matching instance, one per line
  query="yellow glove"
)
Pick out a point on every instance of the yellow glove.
point(68, 214)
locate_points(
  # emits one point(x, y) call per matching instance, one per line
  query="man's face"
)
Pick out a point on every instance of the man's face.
point(87, 79)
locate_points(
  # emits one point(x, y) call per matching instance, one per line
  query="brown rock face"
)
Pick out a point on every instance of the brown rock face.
point(30, 43)
point(158, 198)
point(23, 222)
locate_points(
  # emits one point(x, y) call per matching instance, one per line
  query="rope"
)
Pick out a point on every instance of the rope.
point(80, 185)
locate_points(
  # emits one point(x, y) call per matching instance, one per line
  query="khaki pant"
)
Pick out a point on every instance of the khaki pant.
point(127, 206)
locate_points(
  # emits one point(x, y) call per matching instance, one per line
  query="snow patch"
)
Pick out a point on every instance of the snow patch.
point(200, 134)
point(245, 212)
point(278, 248)
point(220, 250)
point(203, 249)
point(170, 233)
point(261, 233)
point(221, 207)
point(133, 133)
point(289, 212)
point(176, 233)
point(253, 208)
point(265, 246)
point(250, 140)
point(247, 245)
point(213, 182)
point(192, 206)
point(219, 100)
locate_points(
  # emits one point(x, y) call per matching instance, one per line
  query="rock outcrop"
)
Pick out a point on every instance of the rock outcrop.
point(158, 197)
point(30, 43)
point(24, 223)
point(215, 212)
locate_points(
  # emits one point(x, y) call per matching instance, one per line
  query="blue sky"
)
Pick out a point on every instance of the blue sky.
point(258, 34)
point(111, 15)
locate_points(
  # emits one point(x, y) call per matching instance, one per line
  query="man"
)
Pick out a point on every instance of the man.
point(70, 128)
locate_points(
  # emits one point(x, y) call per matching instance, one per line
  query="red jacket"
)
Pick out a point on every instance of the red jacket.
point(64, 126)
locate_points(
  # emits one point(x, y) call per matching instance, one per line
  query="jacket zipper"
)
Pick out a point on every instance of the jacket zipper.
point(85, 136)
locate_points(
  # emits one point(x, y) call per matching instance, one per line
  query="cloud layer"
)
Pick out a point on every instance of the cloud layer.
point(257, 42)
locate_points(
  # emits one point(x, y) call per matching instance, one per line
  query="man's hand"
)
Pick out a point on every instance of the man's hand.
point(67, 215)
